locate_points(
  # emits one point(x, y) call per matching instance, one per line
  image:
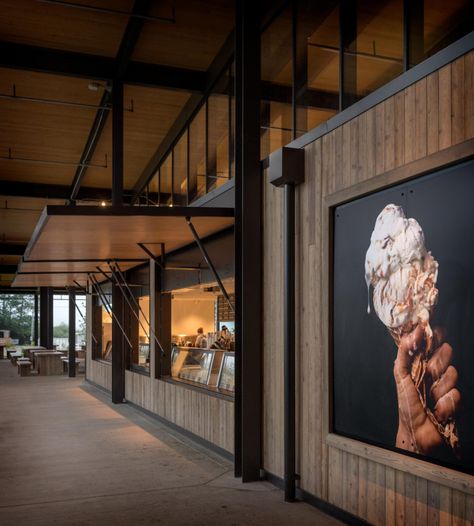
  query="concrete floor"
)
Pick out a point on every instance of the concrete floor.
point(70, 457)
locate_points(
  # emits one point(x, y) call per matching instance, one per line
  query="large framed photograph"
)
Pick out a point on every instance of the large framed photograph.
point(403, 318)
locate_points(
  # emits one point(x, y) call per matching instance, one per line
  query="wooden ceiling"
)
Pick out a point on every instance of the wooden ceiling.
point(42, 138)
point(70, 241)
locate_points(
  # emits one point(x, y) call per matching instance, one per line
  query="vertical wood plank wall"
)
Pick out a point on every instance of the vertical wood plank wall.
point(206, 416)
point(434, 114)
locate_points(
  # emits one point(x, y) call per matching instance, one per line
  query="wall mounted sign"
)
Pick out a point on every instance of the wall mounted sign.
point(403, 300)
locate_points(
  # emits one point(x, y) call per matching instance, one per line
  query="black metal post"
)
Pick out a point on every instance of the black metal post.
point(118, 348)
point(46, 317)
point(35, 320)
point(72, 334)
point(413, 33)
point(248, 264)
point(117, 143)
point(289, 343)
point(347, 61)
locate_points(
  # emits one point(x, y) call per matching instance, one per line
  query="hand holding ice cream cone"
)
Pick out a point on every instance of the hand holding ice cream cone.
point(404, 274)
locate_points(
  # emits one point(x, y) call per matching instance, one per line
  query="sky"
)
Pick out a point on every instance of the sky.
point(61, 309)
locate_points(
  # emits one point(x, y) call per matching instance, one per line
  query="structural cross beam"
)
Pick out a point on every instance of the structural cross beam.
point(95, 67)
point(122, 60)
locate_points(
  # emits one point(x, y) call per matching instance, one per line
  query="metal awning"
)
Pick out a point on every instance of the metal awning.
point(71, 242)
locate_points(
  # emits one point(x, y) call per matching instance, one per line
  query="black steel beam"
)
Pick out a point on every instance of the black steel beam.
point(45, 60)
point(94, 67)
point(8, 269)
point(117, 143)
point(121, 62)
point(36, 320)
point(155, 75)
point(413, 33)
point(92, 140)
point(52, 191)
point(118, 347)
point(72, 334)
point(248, 242)
point(46, 317)
point(12, 249)
point(347, 61)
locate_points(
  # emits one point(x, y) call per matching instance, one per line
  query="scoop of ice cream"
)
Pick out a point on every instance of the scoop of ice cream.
point(401, 270)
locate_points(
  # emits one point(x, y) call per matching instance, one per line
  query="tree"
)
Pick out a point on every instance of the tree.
point(16, 315)
point(61, 330)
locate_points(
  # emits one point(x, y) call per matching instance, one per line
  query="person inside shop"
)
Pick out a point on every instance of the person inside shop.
point(201, 340)
point(225, 334)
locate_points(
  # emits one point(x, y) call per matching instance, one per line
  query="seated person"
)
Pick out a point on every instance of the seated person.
point(201, 340)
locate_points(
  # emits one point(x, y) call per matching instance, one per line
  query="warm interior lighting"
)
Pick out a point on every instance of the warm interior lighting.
point(103, 203)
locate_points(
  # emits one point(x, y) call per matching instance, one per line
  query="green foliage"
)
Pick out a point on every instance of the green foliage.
point(16, 314)
point(61, 330)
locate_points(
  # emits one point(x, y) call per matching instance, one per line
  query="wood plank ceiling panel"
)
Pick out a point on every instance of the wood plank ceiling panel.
point(154, 112)
point(40, 131)
point(83, 233)
point(193, 41)
point(53, 26)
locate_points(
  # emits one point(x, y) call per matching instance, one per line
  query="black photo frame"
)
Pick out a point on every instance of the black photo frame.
point(364, 399)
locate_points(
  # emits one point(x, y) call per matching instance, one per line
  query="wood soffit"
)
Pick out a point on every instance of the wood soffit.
point(70, 242)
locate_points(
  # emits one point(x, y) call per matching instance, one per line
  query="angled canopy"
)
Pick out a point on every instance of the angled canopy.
point(70, 242)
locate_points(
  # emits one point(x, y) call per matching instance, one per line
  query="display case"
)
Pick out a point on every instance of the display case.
point(207, 367)
point(193, 364)
point(227, 373)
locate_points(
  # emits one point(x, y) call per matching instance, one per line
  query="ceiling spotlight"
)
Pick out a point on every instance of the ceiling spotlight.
point(171, 205)
point(103, 203)
point(95, 86)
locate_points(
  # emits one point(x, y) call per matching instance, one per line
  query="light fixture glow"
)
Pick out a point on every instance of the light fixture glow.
point(103, 203)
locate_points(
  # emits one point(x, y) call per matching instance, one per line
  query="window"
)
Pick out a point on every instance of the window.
point(101, 324)
point(137, 317)
point(276, 75)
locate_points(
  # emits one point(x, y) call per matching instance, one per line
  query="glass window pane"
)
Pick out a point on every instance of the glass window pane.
point(166, 195)
point(379, 45)
point(138, 323)
point(444, 23)
point(218, 141)
point(197, 155)
point(180, 171)
point(153, 190)
point(276, 75)
point(317, 64)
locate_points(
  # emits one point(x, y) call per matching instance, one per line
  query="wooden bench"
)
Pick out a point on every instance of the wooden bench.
point(79, 362)
point(15, 356)
point(24, 367)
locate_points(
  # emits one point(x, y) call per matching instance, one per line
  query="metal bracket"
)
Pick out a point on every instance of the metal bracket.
point(207, 259)
point(137, 304)
point(108, 307)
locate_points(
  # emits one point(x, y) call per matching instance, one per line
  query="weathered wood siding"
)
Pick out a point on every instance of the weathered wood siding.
point(206, 416)
point(430, 120)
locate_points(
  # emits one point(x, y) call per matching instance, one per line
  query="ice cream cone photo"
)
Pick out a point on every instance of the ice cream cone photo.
point(403, 275)
point(402, 310)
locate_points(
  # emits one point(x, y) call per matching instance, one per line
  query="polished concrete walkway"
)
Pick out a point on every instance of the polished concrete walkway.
point(69, 457)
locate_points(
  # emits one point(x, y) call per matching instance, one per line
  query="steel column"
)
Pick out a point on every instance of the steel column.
point(118, 348)
point(46, 317)
point(413, 33)
point(289, 344)
point(248, 243)
point(72, 334)
point(35, 321)
point(117, 143)
point(347, 61)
